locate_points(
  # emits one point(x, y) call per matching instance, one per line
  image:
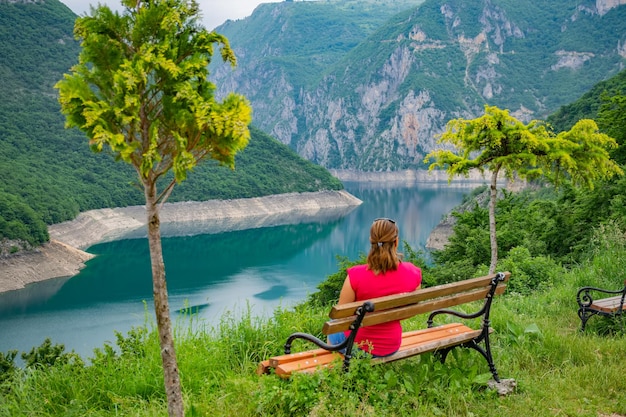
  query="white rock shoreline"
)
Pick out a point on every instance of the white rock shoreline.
point(64, 255)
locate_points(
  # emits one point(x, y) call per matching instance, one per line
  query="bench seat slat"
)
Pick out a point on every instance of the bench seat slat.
point(608, 305)
point(263, 367)
point(401, 313)
point(285, 369)
point(454, 335)
point(297, 356)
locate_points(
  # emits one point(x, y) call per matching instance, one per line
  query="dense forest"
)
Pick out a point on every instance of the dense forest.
point(48, 173)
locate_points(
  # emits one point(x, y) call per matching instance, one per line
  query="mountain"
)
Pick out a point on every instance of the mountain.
point(379, 104)
point(48, 174)
point(605, 103)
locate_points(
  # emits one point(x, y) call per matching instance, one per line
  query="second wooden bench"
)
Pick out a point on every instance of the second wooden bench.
point(590, 303)
point(441, 339)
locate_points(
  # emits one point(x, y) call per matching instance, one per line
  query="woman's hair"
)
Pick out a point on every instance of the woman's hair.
point(383, 256)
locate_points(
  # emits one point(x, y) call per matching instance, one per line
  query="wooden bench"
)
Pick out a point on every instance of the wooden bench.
point(608, 307)
point(440, 339)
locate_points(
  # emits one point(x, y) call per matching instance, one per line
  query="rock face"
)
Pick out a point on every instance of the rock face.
point(52, 260)
point(381, 107)
point(213, 216)
point(61, 258)
point(603, 6)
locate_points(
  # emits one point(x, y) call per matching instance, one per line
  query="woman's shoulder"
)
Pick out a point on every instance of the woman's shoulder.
point(408, 266)
point(358, 268)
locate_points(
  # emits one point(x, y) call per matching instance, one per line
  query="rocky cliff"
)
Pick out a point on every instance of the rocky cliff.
point(380, 106)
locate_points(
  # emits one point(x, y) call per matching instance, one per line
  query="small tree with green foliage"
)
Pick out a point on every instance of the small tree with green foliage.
point(141, 90)
point(500, 143)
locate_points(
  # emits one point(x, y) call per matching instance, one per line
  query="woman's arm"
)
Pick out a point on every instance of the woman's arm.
point(347, 294)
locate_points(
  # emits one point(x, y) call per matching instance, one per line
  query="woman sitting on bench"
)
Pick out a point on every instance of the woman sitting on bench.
point(384, 274)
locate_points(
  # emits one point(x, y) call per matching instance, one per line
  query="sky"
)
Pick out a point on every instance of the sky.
point(214, 12)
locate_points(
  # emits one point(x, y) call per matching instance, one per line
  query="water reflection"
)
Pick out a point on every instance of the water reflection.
point(210, 274)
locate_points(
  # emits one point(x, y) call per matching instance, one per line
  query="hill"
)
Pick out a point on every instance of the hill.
point(378, 106)
point(49, 174)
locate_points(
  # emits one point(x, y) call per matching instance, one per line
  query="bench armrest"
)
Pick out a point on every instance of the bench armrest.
point(484, 310)
point(346, 346)
point(584, 295)
point(314, 340)
point(453, 313)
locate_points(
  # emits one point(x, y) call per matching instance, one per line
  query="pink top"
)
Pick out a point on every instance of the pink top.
point(383, 339)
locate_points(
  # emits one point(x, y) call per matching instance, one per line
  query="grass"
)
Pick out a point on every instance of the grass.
point(559, 371)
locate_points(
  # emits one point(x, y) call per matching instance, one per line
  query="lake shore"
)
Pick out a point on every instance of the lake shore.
point(65, 254)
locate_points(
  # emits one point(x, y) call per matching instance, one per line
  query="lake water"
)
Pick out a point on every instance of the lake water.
point(214, 273)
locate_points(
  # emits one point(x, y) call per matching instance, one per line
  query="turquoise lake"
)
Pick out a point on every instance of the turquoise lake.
point(214, 274)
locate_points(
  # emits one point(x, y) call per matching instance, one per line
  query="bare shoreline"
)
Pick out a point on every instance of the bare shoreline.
point(65, 256)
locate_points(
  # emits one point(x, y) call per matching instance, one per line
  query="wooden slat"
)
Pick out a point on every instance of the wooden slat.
point(285, 369)
point(391, 301)
point(401, 313)
point(418, 336)
point(436, 342)
point(264, 367)
point(296, 356)
point(608, 305)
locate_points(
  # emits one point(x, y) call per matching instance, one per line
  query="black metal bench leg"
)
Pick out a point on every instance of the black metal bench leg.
point(442, 354)
point(487, 355)
point(584, 315)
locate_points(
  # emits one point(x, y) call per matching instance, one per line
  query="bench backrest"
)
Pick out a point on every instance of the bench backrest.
point(403, 306)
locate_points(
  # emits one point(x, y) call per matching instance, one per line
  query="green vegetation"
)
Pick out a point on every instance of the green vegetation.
point(552, 241)
point(49, 174)
point(536, 341)
point(307, 38)
point(265, 167)
point(501, 144)
point(141, 91)
point(605, 102)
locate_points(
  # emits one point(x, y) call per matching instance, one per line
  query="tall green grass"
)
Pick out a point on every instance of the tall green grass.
point(559, 370)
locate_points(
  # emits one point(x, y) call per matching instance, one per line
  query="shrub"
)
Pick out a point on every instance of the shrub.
point(529, 273)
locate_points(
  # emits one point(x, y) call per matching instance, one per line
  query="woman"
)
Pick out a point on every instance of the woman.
point(384, 274)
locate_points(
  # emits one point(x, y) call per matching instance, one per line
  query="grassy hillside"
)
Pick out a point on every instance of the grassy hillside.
point(48, 174)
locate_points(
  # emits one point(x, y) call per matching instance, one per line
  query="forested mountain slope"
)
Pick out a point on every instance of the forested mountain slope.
point(48, 174)
point(378, 105)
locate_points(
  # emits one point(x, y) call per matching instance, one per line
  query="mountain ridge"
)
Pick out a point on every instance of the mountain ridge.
point(380, 107)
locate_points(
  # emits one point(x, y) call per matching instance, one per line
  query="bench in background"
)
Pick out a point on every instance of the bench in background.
point(608, 307)
point(440, 339)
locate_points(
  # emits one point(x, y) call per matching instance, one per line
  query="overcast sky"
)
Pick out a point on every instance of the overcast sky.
point(214, 12)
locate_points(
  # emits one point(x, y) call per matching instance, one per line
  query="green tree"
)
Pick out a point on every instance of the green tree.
point(498, 142)
point(141, 90)
point(612, 120)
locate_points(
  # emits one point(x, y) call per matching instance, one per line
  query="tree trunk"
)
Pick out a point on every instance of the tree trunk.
point(173, 389)
point(492, 220)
